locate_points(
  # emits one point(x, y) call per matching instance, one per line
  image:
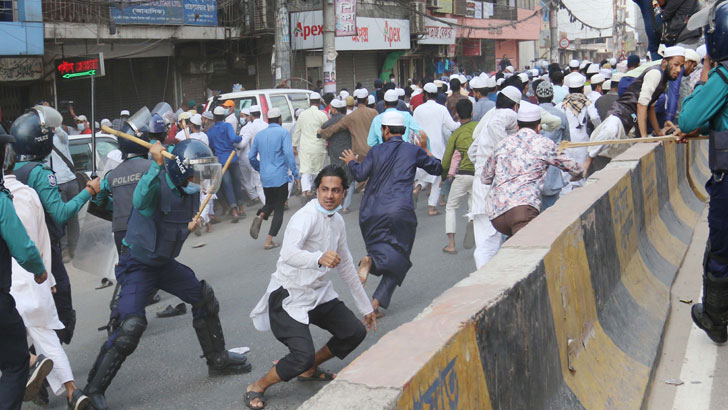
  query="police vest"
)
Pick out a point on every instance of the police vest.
point(626, 107)
point(157, 239)
point(718, 147)
point(122, 182)
point(55, 231)
point(5, 257)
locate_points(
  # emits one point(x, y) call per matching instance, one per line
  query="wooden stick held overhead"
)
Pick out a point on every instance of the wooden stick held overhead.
point(184, 127)
point(135, 139)
point(566, 144)
point(209, 194)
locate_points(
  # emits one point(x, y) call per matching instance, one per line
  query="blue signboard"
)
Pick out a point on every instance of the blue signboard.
point(170, 12)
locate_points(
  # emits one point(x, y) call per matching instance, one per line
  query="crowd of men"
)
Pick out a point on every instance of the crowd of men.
point(490, 138)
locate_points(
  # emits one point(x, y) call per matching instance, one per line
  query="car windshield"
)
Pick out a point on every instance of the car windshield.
point(298, 100)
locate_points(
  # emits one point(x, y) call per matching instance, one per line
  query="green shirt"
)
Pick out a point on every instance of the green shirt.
point(461, 139)
point(705, 108)
point(43, 181)
point(16, 237)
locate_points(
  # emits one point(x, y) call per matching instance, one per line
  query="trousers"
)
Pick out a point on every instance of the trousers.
point(14, 356)
point(246, 173)
point(232, 186)
point(68, 191)
point(62, 297)
point(384, 291)
point(333, 316)
point(461, 186)
point(514, 219)
point(487, 240)
point(46, 342)
point(274, 204)
point(718, 227)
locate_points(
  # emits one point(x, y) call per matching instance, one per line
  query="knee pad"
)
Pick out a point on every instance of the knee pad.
point(208, 302)
point(129, 333)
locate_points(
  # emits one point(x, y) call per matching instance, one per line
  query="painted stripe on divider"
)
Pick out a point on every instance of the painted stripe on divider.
point(686, 215)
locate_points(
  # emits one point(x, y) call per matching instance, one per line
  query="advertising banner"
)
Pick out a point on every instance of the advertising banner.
point(345, 18)
point(437, 32)
point(166, 12)
point(372, 33)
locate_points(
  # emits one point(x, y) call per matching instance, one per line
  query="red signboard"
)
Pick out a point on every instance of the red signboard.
point(80, 67)
point(471, 47)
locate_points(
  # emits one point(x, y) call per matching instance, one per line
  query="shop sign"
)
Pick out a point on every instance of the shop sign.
point(76, 68)
point(471, 47)
point(345, 18)
point(437, 32)
point(167, 12)
point(371, 33)
point(21, 69)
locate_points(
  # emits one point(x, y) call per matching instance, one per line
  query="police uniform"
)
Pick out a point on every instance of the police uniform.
point(156, 230)
point(705, 108)
point(14, 356)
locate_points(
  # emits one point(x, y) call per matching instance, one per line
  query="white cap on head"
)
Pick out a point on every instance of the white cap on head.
point(337, 103)
point(255, 108)
point(106, 122)
point(476, 83)
point(607, 73)
point(583, 64)
point(219, 110)
point(361, 93)
point(438, 83)
point(512, 93)
point(523, 77)
point(613, 61)
point(454, 77)
point(702, 51)
point(574, 80)
point(391, 96)
point(371, 100)
point(184, 116)
point(124, 112)
point(343, 94)
point(274, 113)
point(597, 79)
point(528, 112)
point(490, 82)
point(534, 71)
point(593, 69)
point(510, 69)
point(692, 55)
point(462, 79)
point(499, 82)
point(400, 92)
point(81, 118)
point(607, 85)
point(314, 96)
point(208, 115)
point(574, 64)
point(674, 51)
point(430, 88)
point(393, 118)
point(196, 119)
point(616, 77)
point(245, 111)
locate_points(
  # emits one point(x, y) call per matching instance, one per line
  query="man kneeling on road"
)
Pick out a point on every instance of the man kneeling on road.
point(517, 170)
point(299, 294)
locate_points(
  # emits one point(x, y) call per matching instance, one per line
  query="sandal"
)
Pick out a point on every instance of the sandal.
point(249, 396)
point(318, 376)
point(273, 245)
point(451, 252)
point(105, 283)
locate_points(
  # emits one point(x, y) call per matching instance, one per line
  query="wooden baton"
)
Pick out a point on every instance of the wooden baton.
point(137, 140)
point(184, 127)
point(566, 144)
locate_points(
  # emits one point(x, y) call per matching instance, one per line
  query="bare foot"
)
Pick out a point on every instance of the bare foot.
point(365, 265)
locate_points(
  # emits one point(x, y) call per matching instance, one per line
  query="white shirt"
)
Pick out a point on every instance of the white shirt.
point(496, 124)
point(181, 136)
point(309, 234)
point(34, 301)
point(200, 136)
point(435, 120)
point(232, 120)
point(248, 133)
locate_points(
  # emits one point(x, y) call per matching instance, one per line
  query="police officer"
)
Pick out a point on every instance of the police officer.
point(705, 109)
point(14, 243)
point(33, 132)
point(165, 201)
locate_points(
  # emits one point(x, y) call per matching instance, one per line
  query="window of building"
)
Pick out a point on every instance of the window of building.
point(8, 10)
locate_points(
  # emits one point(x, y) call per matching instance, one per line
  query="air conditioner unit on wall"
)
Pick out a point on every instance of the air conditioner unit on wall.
point(417, 19)
point(433, 4)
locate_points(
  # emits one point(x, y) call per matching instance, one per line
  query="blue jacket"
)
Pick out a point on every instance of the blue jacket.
point(222, 140)
point(276, 156)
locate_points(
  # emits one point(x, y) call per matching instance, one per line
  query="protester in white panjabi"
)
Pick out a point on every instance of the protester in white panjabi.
point(251, 177)
point(311, 150)
point(435, 120)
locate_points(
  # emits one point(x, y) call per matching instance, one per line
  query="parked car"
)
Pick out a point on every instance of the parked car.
point(285, 99)
point(80, 147)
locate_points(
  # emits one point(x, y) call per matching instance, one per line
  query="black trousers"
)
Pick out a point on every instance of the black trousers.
point(14, 356)
point(333, 316)
point(275, 201)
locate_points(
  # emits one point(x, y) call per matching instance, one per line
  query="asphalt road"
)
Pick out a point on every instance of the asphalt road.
point(166, 371)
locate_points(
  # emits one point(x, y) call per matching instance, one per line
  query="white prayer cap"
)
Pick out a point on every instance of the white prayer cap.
point(674, 51)
point(196, 119)
point(337, 103)
point(81, 118)
point(454, 77)
point(528, 112)
point(499, 82)
point(574, 64)
point(371, 100)
point(255, 108)
point(462, 79)
point(430, 88)
point(613, 61)
point(512, 93)
point(607, 73)
point(510, 69)
point(393, 118)
point(534, 72)
point(490, 82)
point(106, 122)
point(245, 111)
point(583, 64)
point(702, 51)
point(124, 112)
point(617, 76)
point(574, 80)
point(313, 96)
point(274, 113)
point(475, 83)
point(607, 85)
point(438, 83)
point(692, 55)
point(361, 93)
point(597, 79)
point(343, 94)
point(593, 69)
point(219, 110)
point(184, 115)
point(523, 77)
point(400, 92)
point(391, 96)
point(483, 76)
point(208, 115)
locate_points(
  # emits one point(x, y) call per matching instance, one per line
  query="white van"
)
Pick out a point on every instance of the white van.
point(285, 99)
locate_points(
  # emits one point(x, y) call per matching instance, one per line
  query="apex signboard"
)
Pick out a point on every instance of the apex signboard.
point(371, 33)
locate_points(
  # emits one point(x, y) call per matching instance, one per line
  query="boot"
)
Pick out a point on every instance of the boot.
point(101, 376)
point(220, 362)
point(712, 315)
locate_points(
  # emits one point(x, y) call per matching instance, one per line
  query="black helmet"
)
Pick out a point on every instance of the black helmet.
point(193, 159)
point(137, 125)
point(33, 132)
point(6, 149)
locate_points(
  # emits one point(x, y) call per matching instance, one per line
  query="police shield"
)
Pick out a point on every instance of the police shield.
point(162, 108)
point(138, 122)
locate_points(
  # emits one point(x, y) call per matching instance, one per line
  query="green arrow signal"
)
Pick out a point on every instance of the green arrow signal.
point(81, 74)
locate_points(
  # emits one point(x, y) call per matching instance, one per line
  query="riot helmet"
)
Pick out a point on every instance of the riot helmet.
point(194, 163)
point(6, 150)
point(157, 128)
point(714, 21)
point(138, 126)
point(33, 132)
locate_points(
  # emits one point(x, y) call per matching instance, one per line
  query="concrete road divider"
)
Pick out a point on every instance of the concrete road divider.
point(568, 315)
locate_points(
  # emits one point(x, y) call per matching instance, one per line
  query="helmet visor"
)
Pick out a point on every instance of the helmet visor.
point(207, 172)
point(139, 120)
